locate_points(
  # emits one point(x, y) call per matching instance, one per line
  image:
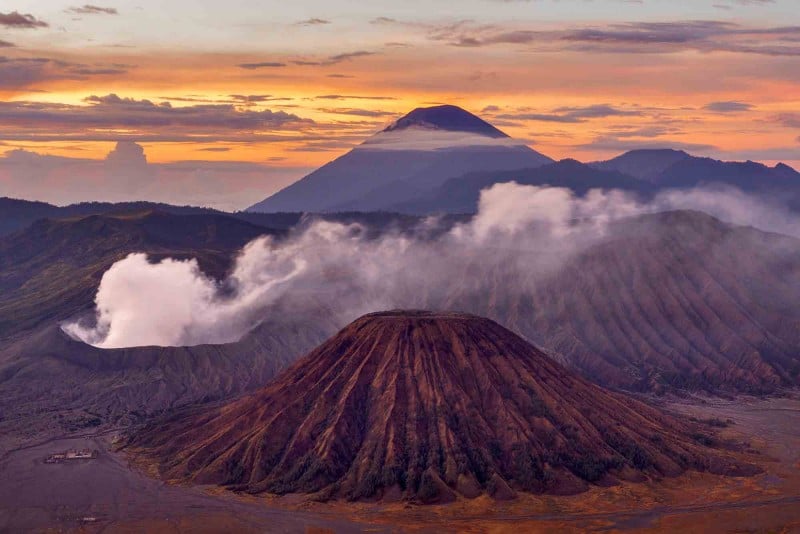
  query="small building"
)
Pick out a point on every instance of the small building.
point(71, 455)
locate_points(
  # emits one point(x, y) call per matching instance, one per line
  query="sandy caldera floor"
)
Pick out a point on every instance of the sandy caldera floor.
point(106, 495)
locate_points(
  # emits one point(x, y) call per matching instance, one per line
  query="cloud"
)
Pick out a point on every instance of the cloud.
point(261, 65)
point(732, 205)
point(596, 111)
point(540, 117)
point(338, 58)
point(626, 131)
point(5, 44)
point(572, 115)
point(728, 107)
point(89, 9)
point(432, 139)
point(139, 119)
point(744, 3)
point(616, 143)
point(318, 260)
point(354, 97)
point(358, 112)
point(790, 120)
point(249, 99)
point(498, 252)
point(18, 73)
point(312, 22)
point(19, 20)
point(632, 37)
point(333, 60)
point(256, 99)
point(502, 37)
point(127, 154)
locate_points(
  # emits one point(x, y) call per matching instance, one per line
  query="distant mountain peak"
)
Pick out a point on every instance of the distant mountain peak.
point(784, 168)
point(644, 163)
point(416, 154)
point(570, 162)
point(446, 117)
point(655, 151)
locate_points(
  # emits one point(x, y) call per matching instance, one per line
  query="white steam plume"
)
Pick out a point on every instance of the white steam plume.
point(520, 235)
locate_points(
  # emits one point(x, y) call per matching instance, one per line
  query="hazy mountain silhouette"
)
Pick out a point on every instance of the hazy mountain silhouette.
point(436, 160)
point(673, 169)
point(460, 195)
point(643, 164)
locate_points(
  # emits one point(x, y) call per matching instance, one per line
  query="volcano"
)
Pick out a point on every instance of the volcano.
point(447, 118)
point(425, 407)
point(415, 154)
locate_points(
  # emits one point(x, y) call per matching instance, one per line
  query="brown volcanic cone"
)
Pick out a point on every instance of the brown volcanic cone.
point(425, 406)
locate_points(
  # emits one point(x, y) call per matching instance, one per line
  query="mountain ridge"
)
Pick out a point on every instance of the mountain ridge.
point(416, 165)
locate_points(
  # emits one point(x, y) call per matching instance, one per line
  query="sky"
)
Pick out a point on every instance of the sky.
point(241, 97)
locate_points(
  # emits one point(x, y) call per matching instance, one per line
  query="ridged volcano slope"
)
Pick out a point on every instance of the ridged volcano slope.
point(424, 406)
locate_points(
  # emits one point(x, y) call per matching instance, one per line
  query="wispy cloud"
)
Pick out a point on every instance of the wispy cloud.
point(572, 115)
point(383, 20)
point(732, 3)
point(261, 65)
point(634, 37)
point(647, 132)
point(790, 120)
point(335, 59)
point(349, 55)
point(313, 21)
point(354, 97)
point(615, 144)
point(728, 106)
point(256, 99)
point(358, 112)
point(89, 9)
point(16, 73)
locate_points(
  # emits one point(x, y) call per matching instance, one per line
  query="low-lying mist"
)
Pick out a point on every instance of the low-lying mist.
point(519, 237)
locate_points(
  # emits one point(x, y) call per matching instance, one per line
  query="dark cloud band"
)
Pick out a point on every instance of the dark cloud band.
point(20, 20)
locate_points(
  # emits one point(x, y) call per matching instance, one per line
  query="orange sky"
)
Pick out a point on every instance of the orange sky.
point(583, 88)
